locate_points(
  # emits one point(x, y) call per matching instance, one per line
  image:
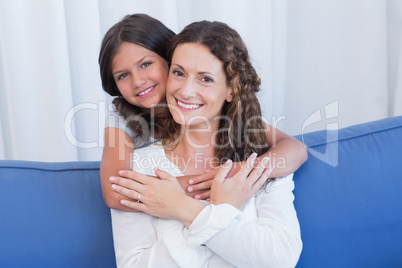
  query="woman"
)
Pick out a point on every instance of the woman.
point(134, 68)
point(211, 96)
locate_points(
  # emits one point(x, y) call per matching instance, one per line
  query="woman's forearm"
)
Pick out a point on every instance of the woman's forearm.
point(161, 197)
point(271, 239)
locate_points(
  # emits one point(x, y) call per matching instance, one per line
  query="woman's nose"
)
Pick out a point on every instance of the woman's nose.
point(188, 89)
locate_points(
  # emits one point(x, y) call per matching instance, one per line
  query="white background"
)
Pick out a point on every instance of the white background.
point(338, 59)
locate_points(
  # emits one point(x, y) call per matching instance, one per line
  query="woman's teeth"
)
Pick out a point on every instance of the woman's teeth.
point(189, 106)
point(145, 91)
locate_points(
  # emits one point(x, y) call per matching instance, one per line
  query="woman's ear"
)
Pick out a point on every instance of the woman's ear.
point(229, 97)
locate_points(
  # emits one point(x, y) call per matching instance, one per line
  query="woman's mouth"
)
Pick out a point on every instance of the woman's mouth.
point(146, 92)
point(188, 106)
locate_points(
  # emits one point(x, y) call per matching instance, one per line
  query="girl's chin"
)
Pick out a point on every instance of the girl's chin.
point(149, 104)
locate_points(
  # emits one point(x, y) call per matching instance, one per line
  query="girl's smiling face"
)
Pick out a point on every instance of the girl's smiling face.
point(196, 88)
point(140, 74)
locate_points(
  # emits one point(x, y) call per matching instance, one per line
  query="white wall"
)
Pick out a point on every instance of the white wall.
point(338, 59)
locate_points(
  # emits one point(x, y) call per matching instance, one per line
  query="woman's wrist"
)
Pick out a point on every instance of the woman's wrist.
point(188, 210)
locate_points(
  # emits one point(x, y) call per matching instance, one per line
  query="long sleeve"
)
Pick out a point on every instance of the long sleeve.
point(186, 248)
point(269, 239)
point(144, 241)
point(134, 238)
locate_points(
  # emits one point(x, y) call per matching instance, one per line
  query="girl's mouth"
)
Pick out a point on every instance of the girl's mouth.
point(146, 92)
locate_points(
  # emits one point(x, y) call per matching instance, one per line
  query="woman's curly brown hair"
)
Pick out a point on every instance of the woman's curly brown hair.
point(241, 129)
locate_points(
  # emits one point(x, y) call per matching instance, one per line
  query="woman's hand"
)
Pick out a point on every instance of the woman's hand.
point(152, 195)
point(161, 197)
point(201, 184)
point(237, 190)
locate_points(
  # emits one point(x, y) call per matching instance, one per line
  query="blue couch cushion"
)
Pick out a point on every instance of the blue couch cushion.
point(350, 213)
point(53, 215)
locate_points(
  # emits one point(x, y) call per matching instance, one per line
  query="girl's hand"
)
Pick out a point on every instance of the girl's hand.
point(161, 197)
point(237, 190)
point(202, 184)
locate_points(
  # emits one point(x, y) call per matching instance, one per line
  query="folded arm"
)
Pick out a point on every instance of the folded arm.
point(118, 147)
point(271, 240)
point(244, 229)
point(286, 154)
point(117, 152)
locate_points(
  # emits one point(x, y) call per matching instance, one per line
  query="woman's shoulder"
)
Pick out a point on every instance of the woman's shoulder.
point(146, 159)
point(284, 183)
point(274, 188)
point(281, 182)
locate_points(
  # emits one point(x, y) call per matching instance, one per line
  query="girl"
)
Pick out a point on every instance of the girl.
point(134, 68)
point(211, 96)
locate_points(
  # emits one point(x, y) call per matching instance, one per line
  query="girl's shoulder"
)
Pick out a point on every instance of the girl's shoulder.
point(115, 120)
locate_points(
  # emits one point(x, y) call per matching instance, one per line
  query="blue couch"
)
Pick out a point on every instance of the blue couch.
point(348, 197)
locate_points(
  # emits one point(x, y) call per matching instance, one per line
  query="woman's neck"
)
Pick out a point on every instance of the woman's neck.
point(195, 152)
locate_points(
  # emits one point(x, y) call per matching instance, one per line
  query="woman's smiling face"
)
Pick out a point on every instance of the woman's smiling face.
point(196, 88)
point(140, 74)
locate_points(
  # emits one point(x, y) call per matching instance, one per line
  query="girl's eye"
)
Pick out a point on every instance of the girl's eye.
point(122, 76)
point(178, 73)
point(145, 64)
point(207, 79)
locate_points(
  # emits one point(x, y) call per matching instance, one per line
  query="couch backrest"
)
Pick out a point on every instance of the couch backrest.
point(53, 215)
point(351, 213)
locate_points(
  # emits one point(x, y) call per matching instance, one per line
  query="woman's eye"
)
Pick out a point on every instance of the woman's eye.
point(145, 64)
point(207, 79)
point(122, 76)
point(178, 73)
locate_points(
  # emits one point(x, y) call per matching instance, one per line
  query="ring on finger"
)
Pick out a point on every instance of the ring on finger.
point(139, 198)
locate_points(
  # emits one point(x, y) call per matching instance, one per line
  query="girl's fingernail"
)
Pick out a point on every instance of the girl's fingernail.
point(111, 179)
point(196, 197)
point(121, 172)
point(190, 189)
point(114, 186)
point(191, 181)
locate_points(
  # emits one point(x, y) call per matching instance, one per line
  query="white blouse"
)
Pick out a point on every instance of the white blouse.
point(265, 233)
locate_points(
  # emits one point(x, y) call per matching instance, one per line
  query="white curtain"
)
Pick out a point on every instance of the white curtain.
point(322, 62)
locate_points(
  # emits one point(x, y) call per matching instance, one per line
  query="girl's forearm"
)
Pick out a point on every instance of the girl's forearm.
point(285, 157)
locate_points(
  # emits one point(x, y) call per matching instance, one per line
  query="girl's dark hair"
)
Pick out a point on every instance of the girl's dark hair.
point(241, 129)
point(142, 30)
